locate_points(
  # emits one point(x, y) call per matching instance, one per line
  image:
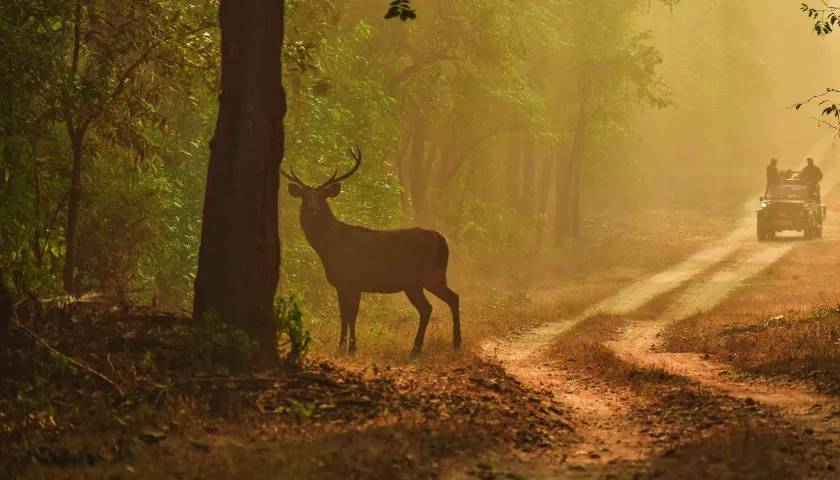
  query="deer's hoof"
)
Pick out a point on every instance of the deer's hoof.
point(416, 351)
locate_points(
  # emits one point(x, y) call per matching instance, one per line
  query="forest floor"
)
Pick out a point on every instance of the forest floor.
point(662, 345)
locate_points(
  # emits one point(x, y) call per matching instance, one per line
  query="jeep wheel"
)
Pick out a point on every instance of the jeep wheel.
point(819, 231)
point(761, 232)
point(810, 231)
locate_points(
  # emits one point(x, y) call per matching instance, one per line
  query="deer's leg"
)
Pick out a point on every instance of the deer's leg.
point(451, 298)
point(342, 340)
point(348, 303)
point(421, 303)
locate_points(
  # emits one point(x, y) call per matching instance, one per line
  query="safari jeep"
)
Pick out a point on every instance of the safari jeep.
point(790, 205)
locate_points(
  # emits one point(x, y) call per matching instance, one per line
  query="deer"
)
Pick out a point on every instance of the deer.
point(360, 260)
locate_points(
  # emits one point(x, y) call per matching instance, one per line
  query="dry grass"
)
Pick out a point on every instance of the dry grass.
point(745, 451)
point(597, 359)
point(797, 344)
point(582, 350)
point(779, 322)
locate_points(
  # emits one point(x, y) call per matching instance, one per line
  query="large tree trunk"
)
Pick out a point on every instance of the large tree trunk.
point(73, 201)
point(239, 258)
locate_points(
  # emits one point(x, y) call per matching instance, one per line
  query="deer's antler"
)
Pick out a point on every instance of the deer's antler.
point(292, 177)
point(356, 155)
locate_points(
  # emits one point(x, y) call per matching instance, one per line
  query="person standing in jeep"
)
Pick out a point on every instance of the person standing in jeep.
point(812, 175)
point(772, 173)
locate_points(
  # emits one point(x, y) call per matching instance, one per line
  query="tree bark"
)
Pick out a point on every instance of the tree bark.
point(6, 307)
point(239, 258)
point(73, 201)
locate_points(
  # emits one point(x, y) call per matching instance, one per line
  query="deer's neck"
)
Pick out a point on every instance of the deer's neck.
point(320, 228)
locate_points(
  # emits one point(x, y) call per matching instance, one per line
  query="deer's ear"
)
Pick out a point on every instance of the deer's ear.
point(333, 190)
point(295, 190)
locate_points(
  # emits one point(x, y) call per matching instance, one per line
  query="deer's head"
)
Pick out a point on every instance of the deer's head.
point(314, 199)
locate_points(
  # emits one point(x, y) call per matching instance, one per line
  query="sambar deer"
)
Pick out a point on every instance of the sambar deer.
point(357, 259)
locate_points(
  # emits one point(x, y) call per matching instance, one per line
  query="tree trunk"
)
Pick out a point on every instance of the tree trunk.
point(567, 221)
point(73, 201)
point(561, 199)
point(541, 205)
point(417, 174)
point(402, 176)
point(239, 258)
point(6, 307)
point(528, 198)
point(574, 194)
point(514, 177)
point(543, 185)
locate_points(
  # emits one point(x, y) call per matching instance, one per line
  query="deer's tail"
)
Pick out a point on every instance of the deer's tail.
point(442, 258)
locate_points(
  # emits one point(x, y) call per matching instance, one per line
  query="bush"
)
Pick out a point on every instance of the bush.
point(216, 343)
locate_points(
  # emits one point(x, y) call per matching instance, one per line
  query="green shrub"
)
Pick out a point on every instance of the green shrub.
point(289, 320)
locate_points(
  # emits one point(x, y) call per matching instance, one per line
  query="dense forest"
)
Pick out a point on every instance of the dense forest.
point(484, 122)
point(109, 112)
point(141, 143)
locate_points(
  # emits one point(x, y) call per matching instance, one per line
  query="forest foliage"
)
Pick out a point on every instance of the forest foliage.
point(476, 118)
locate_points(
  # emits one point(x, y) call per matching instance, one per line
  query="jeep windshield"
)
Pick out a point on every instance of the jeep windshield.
point(788, 191)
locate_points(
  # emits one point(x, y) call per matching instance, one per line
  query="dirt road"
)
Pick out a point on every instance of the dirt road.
point(608, 419)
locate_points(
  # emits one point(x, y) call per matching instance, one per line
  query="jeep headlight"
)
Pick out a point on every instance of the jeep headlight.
point(763, 204)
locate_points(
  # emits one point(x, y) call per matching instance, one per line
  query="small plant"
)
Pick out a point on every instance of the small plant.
point(59, 366)
point(148, 362)
point(216, 342)
point(289, 320)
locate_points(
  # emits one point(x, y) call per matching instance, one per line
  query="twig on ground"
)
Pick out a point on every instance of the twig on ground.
point(116, 372)
point(70, 359)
